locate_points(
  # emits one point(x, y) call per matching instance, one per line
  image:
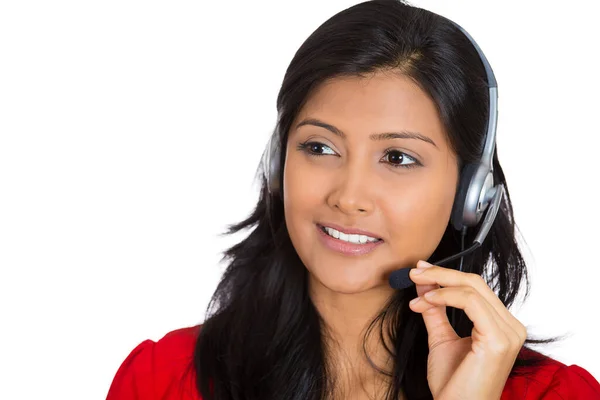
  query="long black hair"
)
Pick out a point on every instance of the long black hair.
point(262, 338)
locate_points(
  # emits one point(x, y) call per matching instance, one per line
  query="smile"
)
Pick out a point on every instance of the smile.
point(350, 238)
point(347, 244)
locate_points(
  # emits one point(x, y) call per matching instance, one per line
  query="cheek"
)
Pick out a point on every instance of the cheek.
point(418, 218)
point(305, 184)
point(301, 196)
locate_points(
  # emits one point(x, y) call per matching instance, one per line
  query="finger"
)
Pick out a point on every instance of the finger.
point(447, 277)
point(500, 322)
point(422, 289)
point(487, 326)
point(439, 329)
point(435, 318)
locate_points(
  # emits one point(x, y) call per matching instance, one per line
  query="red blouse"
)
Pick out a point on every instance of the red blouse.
point(163, 371)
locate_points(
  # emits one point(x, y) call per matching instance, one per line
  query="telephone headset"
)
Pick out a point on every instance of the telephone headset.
point(476, 191)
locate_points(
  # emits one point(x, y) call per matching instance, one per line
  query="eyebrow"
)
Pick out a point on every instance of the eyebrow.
point(375, 136)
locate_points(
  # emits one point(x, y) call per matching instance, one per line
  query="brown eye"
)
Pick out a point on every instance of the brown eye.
point(315, 148)
point(395, 157)
point(399, 159)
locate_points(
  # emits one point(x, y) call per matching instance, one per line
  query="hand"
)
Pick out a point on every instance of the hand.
point(474, 367)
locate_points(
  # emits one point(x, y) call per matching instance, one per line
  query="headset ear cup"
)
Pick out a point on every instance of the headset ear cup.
point(458, 208)
point(271, 164)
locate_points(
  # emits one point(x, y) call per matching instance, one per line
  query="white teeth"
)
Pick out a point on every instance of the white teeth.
point(353, 238)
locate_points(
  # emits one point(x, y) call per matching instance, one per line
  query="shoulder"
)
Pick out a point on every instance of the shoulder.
point(161, 369)
point(551, 380)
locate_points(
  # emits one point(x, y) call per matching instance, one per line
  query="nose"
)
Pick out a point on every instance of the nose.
point(351, 194)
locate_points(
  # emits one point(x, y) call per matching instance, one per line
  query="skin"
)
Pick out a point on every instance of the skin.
point(354, 184)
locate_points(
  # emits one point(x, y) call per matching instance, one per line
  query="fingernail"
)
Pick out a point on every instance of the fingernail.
point(423, 264)
point(431, 294)
point(415, 300)
point(417, 271)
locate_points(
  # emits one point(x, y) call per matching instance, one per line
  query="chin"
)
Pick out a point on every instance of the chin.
point(345, 281)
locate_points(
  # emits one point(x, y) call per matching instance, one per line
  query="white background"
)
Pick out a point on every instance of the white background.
point(130, 136)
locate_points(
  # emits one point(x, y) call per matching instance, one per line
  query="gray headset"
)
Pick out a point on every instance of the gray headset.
point(476, 190)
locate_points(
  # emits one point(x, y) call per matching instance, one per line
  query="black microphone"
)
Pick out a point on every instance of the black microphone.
point(400, 280)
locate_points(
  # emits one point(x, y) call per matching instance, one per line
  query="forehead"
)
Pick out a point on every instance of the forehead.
point(380, 102)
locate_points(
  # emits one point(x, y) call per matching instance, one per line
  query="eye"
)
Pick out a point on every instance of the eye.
point(315, 149)
point(399, 159)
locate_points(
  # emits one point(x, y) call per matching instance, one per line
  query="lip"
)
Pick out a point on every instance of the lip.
point(346, 248)
point(349, 231)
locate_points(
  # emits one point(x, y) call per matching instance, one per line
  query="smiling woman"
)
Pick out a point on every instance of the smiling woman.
point(383, 111)
point(399, 187)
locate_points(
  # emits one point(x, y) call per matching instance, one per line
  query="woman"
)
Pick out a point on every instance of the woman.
point(383, 112)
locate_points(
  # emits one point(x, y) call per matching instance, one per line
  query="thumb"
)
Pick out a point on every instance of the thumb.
point(436, 321)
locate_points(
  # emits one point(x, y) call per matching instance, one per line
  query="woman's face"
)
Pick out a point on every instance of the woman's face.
point(367, 154)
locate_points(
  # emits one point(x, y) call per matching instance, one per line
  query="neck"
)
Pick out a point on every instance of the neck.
point(347, 318)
